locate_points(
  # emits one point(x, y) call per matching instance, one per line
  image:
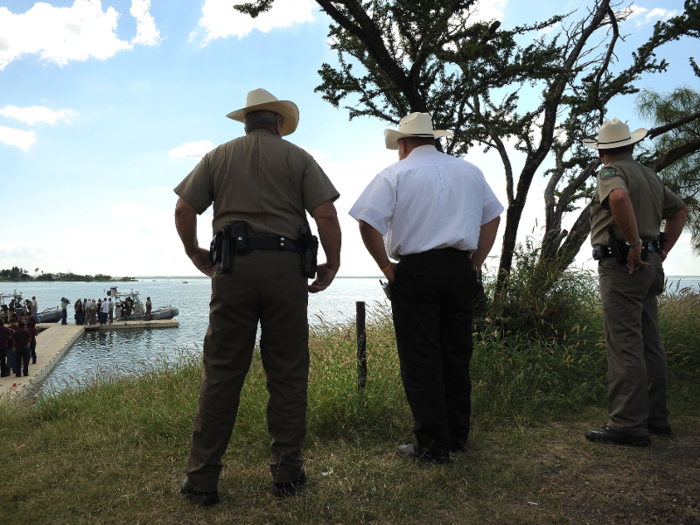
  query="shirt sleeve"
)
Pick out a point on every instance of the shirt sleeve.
point(492, 207)
point(672, 203)
point(377, 203)
point(609, 179)
point(317, 188)
point(197, 189)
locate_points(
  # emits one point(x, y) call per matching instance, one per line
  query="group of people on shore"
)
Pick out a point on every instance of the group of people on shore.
point(17, 345)
point(89, 311)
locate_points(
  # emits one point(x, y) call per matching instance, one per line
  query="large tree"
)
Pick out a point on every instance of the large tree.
point(682, 176)
point(530, 92)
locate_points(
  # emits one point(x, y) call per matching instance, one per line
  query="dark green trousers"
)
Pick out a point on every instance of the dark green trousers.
point(266, 287)
point(637, 368)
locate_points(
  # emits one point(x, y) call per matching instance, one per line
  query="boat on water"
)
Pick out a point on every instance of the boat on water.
point(129, 307)
point(49, 315)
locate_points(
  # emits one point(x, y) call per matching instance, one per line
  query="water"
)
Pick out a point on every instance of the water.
point(128, 351)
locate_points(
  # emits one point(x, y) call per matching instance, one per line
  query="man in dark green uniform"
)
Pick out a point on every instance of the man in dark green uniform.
point(261, 186)
point(628, 207)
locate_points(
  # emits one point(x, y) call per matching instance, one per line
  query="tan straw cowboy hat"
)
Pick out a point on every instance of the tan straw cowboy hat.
point(413, 125)
point(261, 100)
point(615, 134)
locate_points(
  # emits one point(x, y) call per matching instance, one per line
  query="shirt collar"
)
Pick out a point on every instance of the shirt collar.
point(420, 151)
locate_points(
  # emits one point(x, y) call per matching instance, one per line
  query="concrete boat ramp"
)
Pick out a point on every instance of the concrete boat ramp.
point(53, 341)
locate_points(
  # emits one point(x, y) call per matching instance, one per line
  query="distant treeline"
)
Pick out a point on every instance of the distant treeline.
point(20, 274)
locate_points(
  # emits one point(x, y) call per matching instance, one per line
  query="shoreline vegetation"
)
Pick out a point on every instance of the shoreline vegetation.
point(114, 449)
point(16, 274)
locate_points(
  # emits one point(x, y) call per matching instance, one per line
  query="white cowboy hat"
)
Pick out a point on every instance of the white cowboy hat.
point(413, 125)
point(615, 134)
point(259, 100)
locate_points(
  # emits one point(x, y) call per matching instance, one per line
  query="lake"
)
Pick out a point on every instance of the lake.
point(128, 351)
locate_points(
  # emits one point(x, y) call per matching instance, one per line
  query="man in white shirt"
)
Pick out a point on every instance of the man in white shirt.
point(437, 215)
point(105, 311)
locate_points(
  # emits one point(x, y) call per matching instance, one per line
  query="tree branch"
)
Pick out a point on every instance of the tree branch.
point(666, 159)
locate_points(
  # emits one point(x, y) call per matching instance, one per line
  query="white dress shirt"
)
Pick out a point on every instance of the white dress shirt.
point(428, 201)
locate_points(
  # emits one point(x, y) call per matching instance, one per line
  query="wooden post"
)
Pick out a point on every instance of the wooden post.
point(361, 346)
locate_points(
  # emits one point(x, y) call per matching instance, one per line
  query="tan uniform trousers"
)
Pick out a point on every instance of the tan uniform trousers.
point(637, 368)
point(264, 286)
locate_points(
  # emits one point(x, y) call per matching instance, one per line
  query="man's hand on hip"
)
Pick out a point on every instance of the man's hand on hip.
point(634, 259)
point(324, 277)
point(202, 261)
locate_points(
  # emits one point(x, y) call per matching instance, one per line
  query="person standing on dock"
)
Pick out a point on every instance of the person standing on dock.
point(105, 311)
point(628, 208)
point(5, 345)
point(262, 187)
point(35, 310)
point(437, 215)
point(148, 308)
point(31, 328)
point(64, 312)
point(111, 310)
point(21, 346)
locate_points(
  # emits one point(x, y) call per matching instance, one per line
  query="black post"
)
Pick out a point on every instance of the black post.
point(361, 346)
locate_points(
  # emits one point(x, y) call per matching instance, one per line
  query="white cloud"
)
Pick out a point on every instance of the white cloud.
point(35, 114)
point(221, 20)
point(63, 34)
point(146, 31)
point(487, 10)
point(631, 12)
point(17, 137)
point(192, 150)
point(661, 14)
point(637, 12)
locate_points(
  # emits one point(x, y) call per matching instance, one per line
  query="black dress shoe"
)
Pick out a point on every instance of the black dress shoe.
point(609, 436)
point(197, 496)
point(414, 451)
point(285, 490)
point(665, 431)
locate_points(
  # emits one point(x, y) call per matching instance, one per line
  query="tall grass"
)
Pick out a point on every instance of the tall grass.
point(115, 449)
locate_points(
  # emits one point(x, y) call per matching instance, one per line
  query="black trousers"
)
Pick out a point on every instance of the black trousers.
point(22, 360)
point(3, 362)
point(433, 308)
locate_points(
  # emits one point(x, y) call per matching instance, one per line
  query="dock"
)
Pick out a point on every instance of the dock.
point(52, 343)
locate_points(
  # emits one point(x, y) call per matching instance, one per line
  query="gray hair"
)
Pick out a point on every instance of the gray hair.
point(261, 119)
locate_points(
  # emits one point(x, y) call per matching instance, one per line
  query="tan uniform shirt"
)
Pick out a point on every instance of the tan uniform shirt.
point(260, 179)
point(651, 200)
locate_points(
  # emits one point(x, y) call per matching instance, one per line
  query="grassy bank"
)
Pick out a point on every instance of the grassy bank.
point(114, 452)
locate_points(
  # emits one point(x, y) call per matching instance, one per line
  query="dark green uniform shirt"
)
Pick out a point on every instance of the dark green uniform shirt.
point(651, 200)
point(261, 179)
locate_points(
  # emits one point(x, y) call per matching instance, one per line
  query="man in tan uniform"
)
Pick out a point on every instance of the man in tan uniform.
point(267, 185)
point(628, 208)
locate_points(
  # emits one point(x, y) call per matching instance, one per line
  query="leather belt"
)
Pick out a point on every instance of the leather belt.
point(271, 243)
point(444, 252)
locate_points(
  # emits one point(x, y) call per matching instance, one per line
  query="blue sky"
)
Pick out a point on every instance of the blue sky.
point(106, 106)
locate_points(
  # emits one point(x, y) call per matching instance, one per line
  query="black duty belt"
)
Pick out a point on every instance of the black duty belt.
point(271, 243)
point(603, 251)
point(442, 252)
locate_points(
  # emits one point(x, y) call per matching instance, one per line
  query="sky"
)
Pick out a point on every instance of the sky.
point(106, 106)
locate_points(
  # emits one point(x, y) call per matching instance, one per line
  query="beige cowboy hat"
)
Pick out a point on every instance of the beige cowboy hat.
point(615, 134)
point(413, 125)
point(260, 100)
